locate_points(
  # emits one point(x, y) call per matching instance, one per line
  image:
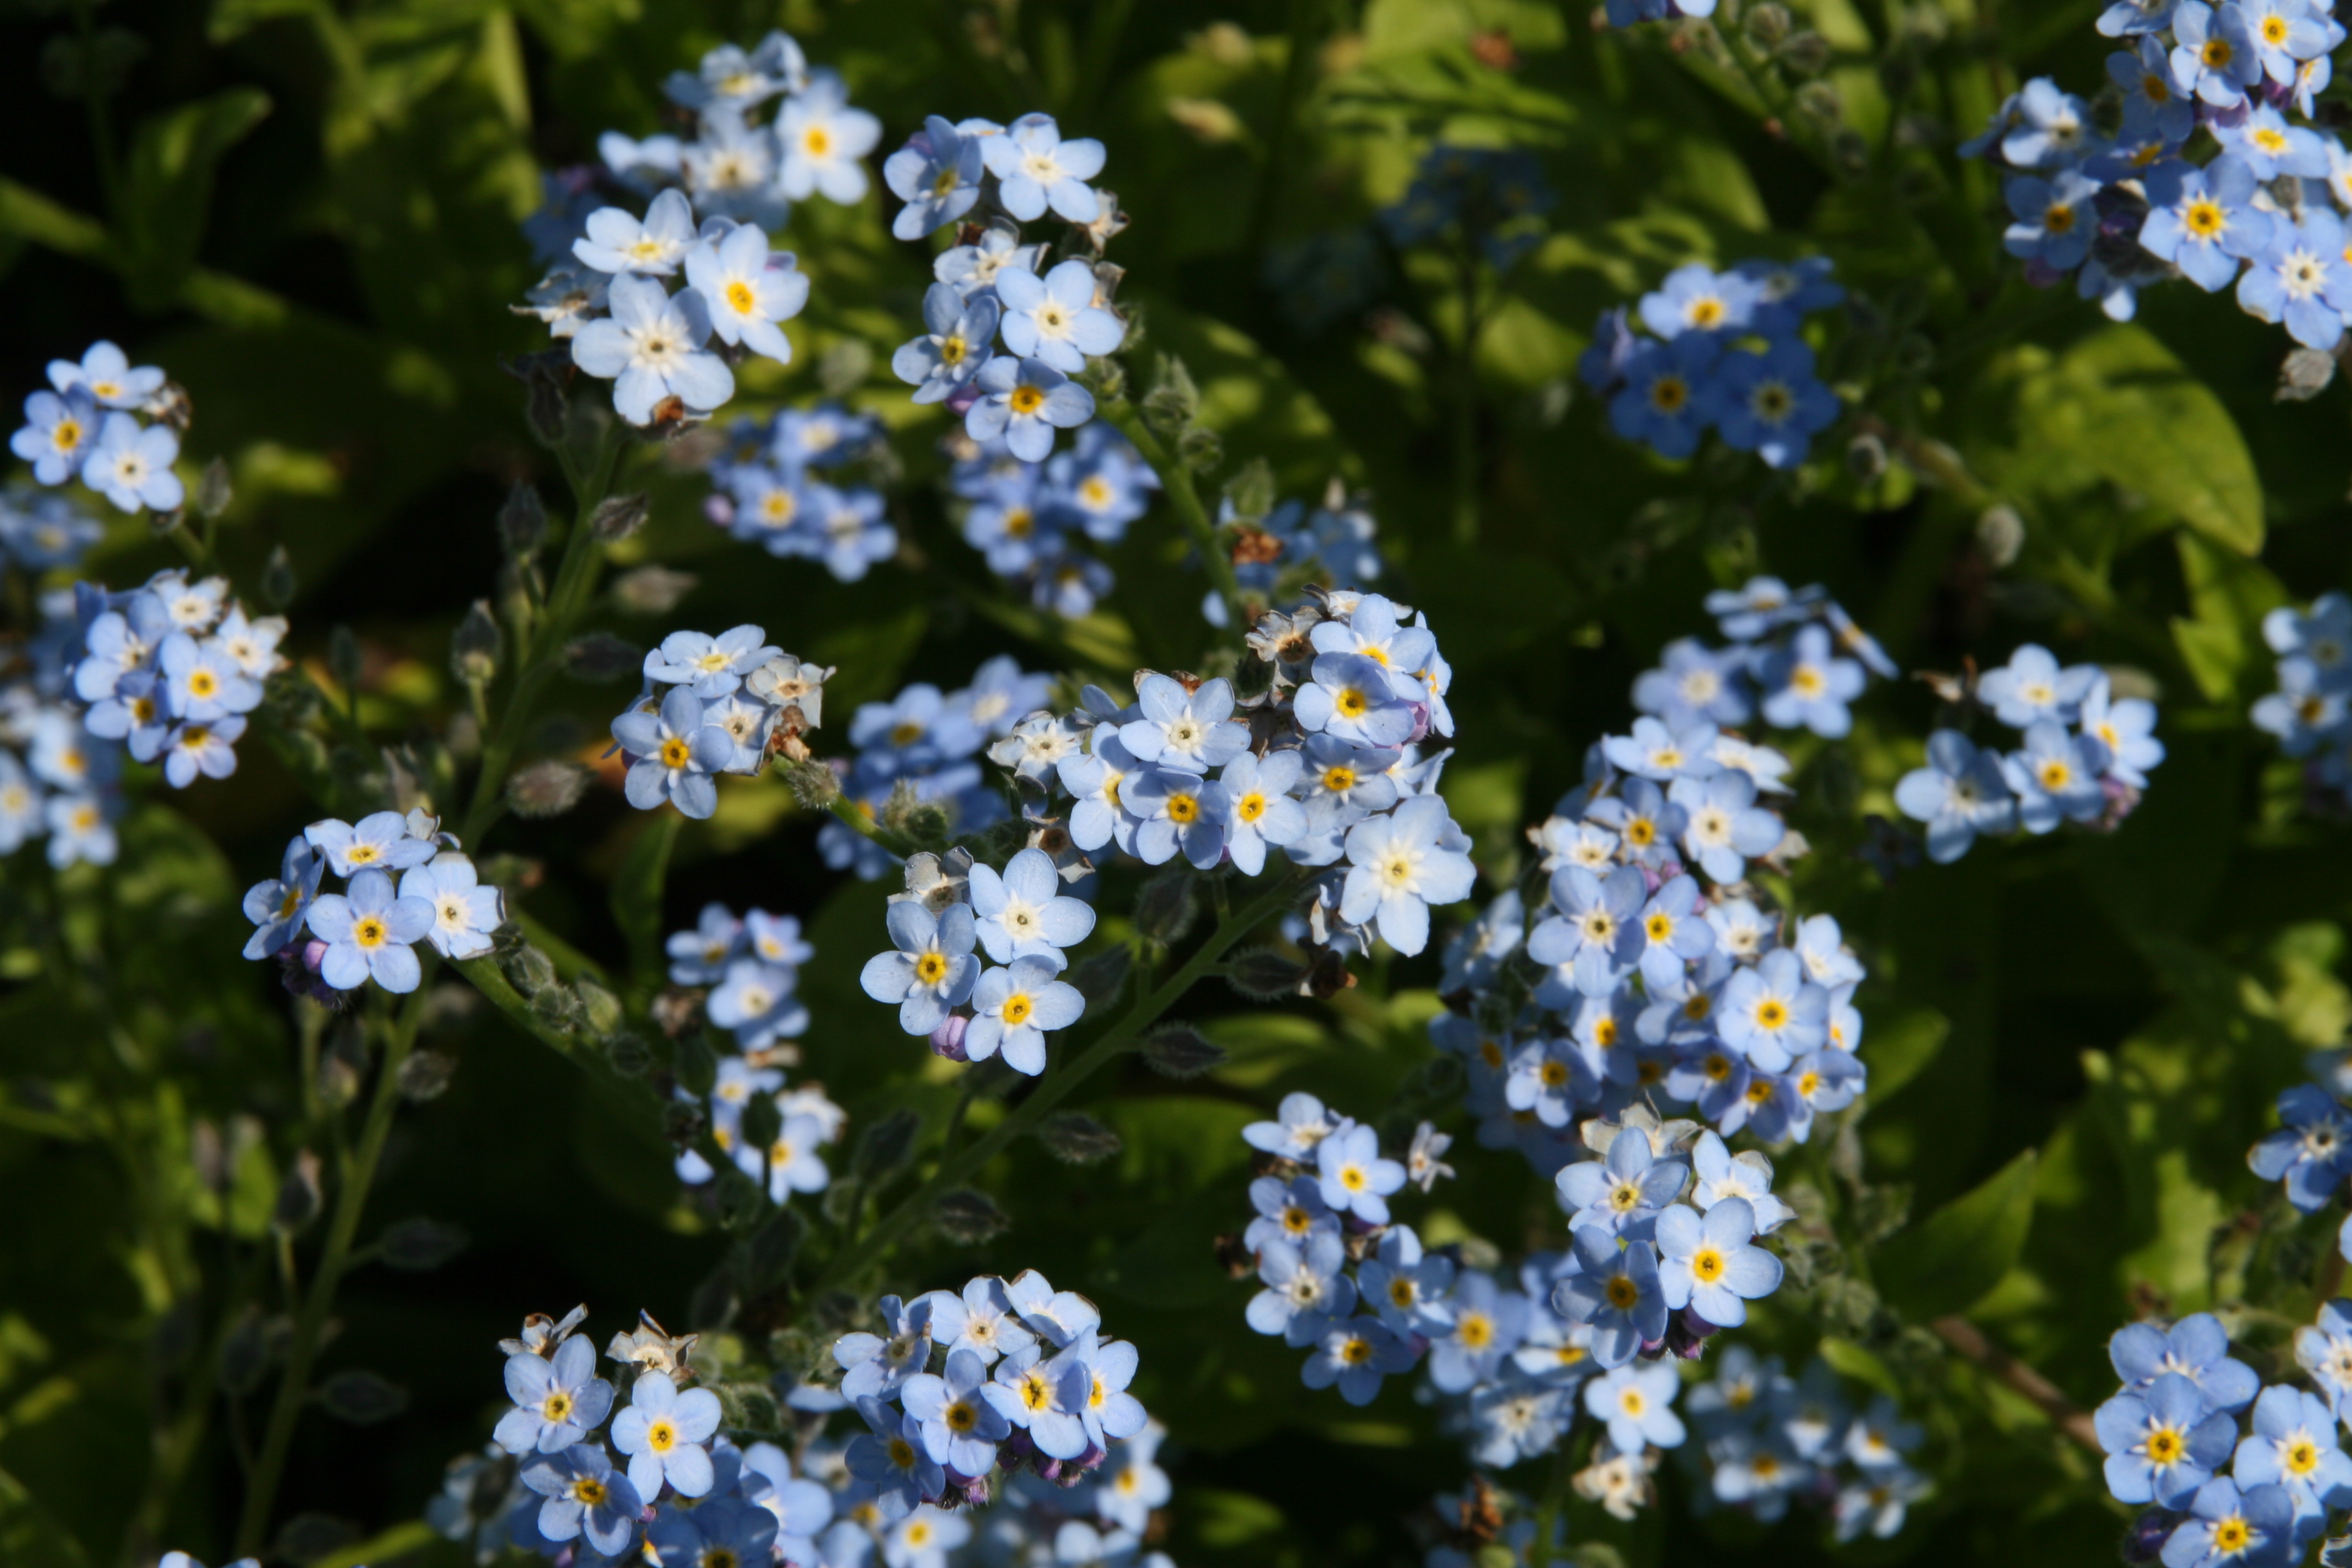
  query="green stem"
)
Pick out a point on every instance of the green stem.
point(1281, 129)
point(1465, 403)
point(576, 579)
point(1176, 479)
point(101, 129)
point(955, 1169)
point(846, 810)
point(302, 1350)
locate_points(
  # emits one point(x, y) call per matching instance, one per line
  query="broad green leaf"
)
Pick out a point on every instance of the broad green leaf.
point(30, 1534)
point(168, 186)
point(637, 895)
point(1944, 1263)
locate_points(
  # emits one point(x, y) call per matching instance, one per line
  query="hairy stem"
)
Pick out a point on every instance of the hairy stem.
point(302, 1350)
point(2039, 1391)
point(956, 1168)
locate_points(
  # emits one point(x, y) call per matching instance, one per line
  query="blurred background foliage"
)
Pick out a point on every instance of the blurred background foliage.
point(308, 211)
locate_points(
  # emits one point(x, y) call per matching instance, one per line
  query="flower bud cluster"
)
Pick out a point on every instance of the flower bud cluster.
point(714, 705)
point(171, 669)
point(2311, 712)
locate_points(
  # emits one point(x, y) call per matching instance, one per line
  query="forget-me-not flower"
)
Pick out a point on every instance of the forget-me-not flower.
point(1013, 1009)
point(1959, 794)
point(1024, 401)
point(1035, 167)
point(937, 174)
point(650, 348)
point(369, 933)
point(276, 906)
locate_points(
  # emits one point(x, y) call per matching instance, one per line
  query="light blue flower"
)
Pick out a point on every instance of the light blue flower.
point(2033, 686)
point(1760, 608)
point(58, 433)
point(1014, 1008)
point(1693, 685)
point(1402, 864)
point(1055, 319)
point(972, 269)
point(2162, 1443)
point(672, 755)
point(949, 356)
point(1036, 168)
point(937, 174)
point(1046, 1397)
point(1484, 1324)
point(2135, 18)
point(1351, 699)
point(699, 957)
point(1023, 913)
point(81, 829)
point(1655, 752)
point(1695, 298)
point(1747, 1176)
point(131, 465)
point(755, 1000)
point(1804, 684)
point(1723, 827)
point(1355, 1357)
point(1177, 811)
point(1026, 400)
point(1354, 1177)
point(1673, 930)
point(2051, 128)
point(207, 749)
point(1592, 937)
point(1406, 1286)
point(727, 76)
point(584, 1498)
point(1260, 810)
point(2294, 1445)
point(933, 970)
point(559, 1399)
point(2214, 54)
point(2202, 220)
point(665, 1433)
point(1637, 1405)
point(2302, 278)
point(1959, 795)
point(745, 290)
point(890, 1456)
point(1771, 1014)
point(1189, 730)
point(1301, 1124)
point(107, 375)
point(822, 138)
point(2252, 1529)
point(370, 934)
point(651, 349)
point(1709, 1265)
point(2055, 777)
point(619, 242)
point(1619, 1193)
point(275, 907)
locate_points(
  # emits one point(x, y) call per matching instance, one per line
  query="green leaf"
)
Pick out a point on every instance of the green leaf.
point(1900, 1047)
point(1959, 1253)
point(637, 895)
point(168, 186)
point(30, 1533)
point(2222, 642)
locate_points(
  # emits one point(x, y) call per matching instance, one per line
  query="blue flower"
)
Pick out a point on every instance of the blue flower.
point(1621, 1193)
point(2195, 1348)
point(651, 349)
point(2312, 1151)
point(663, 1433)
point(933, 969)
point(1637, 1405)
point(722, 1530)
point(891, 1457)
point(2134, 18)
point(1664, 401)
point(1593, 936)
point(1655, 752)
point(755, 1000)
point(699, 957)
point(1790, 290)
point(1400, 865)
point(465, 913)
point(1351, 699)
point(937, 174)
point(81, 828)
point(673, 754)
point(1719, 1174)
point(1354, 1178)
point(1036, 168)
point(2144, 75)
point(2293, 1445)
point(1709, 1265)
point(559, 1399)
point(1516, 1418)
point(130, 466)
point(1046, 1398)
point(2033, 686)
point(2162, 1443)
point(1176, 811)
point(822, 138)
point(1189, 731)
point(955, 344)
point(1805, 685)
point(1551, 1077)
point(1302, 1124)
point(1771, 403)
point(2202, 220)
point(276, 906)
point(1760, 608)
point(1959, 795)
point(973, 267)
point(709, 665)
point(960, 1429)
point(2302, 278)
point(1024, 402)
point(2214, 54)
point(619, 242)
point(107, 375)
point(1723, 827)
point(1771, 1014)
point(58, 433)
point(2055, 223)
point(369, 933)
point(1260, 810)
point(2252, 1529)
point(2055, 776)
point(731, 78)
point(1406, 1286)
point(1693, 685)
point(1616, 1292)
point(1695, 298)
point(745, 290)
point(1673, 933)
point(1055, 319)
point(584, 1497)
point(1306, 1286)
point(1290, 1211)
point(1356, 1355)
point(1020, 914)
point(1014, 1008)
point(2050, 131)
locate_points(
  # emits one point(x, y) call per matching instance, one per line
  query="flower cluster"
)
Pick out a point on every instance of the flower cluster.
point(1021, 918)
point(1279, 557)
point(1026, 1383)
point(1627, 13)
point(2311, 712)
point(88, 426)
point(992, 287)
point(2172, 1431)
point(1796, 660)
point(172, 669)
point(1723, 353)
point(2129, 209)
point(2311, 1153)
point(333, 943)
point(1768, 1440)
point(715, 201)
point(713, 705)
point(2083, 759)
point(1031, 520)
point(916, 756)
point(55, 783)
point(41, 529)
point(776, 484)
point(1494, 197)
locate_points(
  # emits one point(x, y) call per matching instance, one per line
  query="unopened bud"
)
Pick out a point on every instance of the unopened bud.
point(651, 590)
point(2305, 375)
point(277, 584)
point(1262, 974)
point(213, 491)
point(1173, 402)
point(1201, 448)
point(969, 1217)
point(417, 1246)
point(626, 1053)
point(522, 520)
point(884, 1148)
point(1076, 1139)
point(695, 1064)
point(602, 1008)
point(2001, 534)
point(768, 1258)
point(558, 1008)
point(1807, 54)
point(1098, 978)
point(843, 368)
point(344, 658)
point(548, 788)
point(475, 647)
point(425, 1074)
point(362, 1398)
point(530, 970)
point(1768, 26)
point(1250, 493)
point(1178, 1051)
point(1866, 457)
point(616, 518)
point(814, 784)
point(298, 1196)
point(601, 656)
point(1166, 908)
point(763, 1124)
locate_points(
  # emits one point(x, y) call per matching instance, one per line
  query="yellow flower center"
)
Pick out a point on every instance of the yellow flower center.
point(203, 683)
point(661, 1437)
point(675, 753)
point(1027, 399)
point(369, 931)
point(1250, 808)
point(931, 968)
point(1622, 1292)
point(1017, 1007)
point(817, 140)
point(1669, 394)
point(2204, 218)
point(1183, 808)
